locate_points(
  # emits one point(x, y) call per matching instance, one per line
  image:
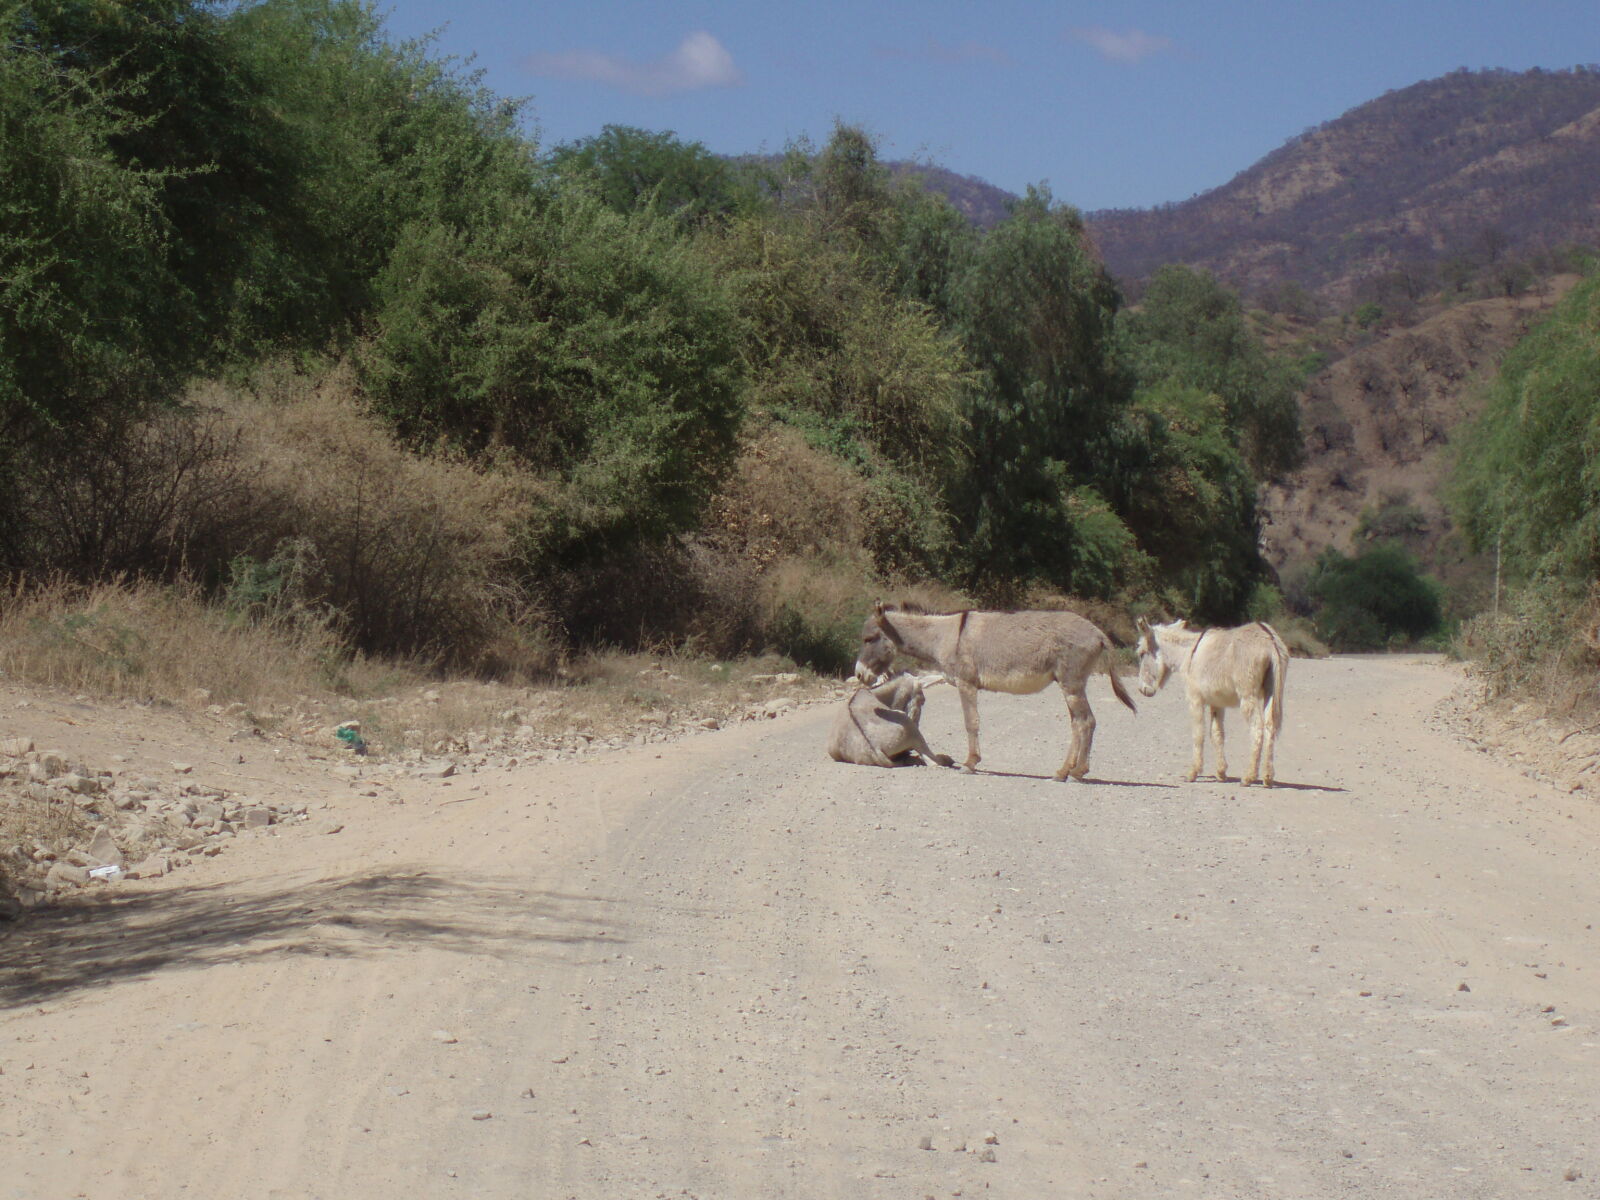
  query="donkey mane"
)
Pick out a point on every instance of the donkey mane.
point(914, 609)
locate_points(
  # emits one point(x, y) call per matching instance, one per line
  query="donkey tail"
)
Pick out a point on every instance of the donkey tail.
point(1110, 662)
point(1276, 675)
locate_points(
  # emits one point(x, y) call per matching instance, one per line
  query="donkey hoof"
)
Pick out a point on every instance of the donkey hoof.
point(968, 769)
point(1191, 776)
point(944, 760)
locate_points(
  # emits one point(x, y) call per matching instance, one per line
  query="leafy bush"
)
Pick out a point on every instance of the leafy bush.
point(633, 169)
point(1367, 315)
point(1527, 480)
point(1373, 600)
point(593, 346)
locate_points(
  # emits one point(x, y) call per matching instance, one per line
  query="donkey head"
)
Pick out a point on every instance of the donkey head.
point(1154, 665)
point(878, 644)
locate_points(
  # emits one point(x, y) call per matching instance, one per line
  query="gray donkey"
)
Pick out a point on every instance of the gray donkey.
point(1018, 652)
point(879, 726)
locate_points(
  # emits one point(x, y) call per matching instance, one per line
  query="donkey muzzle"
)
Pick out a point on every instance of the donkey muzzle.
point(867, 675)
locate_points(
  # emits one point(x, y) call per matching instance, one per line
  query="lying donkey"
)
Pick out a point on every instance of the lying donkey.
point(879, 726)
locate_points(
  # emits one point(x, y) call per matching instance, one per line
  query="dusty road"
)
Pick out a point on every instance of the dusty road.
point(730, 968)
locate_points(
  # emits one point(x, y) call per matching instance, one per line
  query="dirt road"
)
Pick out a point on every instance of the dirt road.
point(730, 968)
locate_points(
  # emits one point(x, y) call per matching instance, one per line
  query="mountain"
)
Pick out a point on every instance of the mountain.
point(978, 200)
point(1470, 172)
point(1450, 205)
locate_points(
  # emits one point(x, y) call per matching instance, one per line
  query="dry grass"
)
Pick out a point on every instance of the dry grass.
point(137, 640)
point(417, 553)
point(785, 500)
point(142, 641)
point(1300, 636)
point(1541, 647)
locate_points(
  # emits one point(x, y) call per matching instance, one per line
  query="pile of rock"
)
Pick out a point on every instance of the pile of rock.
point(139, 827)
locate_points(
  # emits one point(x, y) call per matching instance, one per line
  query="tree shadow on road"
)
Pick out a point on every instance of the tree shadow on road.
point(94, 941)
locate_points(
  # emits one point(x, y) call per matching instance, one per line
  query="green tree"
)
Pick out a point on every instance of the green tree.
point(396, 137)
point(933, 246)
point(1036, 312)
point(1527, 478)
point(1194, 506)
point(90, 311)
point(1191, 330)
point(633, 168)
point(594, 346)
point(1373, 599)
point(199, 109)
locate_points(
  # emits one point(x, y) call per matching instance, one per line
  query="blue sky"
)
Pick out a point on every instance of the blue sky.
point(1113, 105)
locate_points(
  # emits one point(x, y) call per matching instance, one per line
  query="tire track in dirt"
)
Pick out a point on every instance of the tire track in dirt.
point(729, 968)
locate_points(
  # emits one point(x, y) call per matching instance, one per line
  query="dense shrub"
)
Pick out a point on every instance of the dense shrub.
point(1527, 482)
point(1543, 641)
point(594, 347)
point(122, 494)
point(813, 609)
point(1374, 599)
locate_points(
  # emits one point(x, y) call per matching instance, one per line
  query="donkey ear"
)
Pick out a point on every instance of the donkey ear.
point(1143, 625)
point(877, 609)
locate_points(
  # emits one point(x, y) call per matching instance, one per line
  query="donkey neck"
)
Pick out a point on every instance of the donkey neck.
point(1183, 642)
point(931, 637)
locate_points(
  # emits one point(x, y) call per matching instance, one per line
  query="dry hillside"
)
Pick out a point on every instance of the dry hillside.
point(1379, 425)
point(1474, 171)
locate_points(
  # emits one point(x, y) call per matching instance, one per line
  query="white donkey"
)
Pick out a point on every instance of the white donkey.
point(1243, 668)
point(881, 726)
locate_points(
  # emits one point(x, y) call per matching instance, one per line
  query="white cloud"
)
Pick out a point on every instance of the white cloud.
point(1131, 47)
point(700, 61)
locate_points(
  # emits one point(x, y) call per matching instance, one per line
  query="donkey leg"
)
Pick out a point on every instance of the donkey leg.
point(1271, 739)
point(1199, 718)
point(919, 745)
point(969, 715)
point(1216, 737)
point(1081, 718)
point(1255, 721)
